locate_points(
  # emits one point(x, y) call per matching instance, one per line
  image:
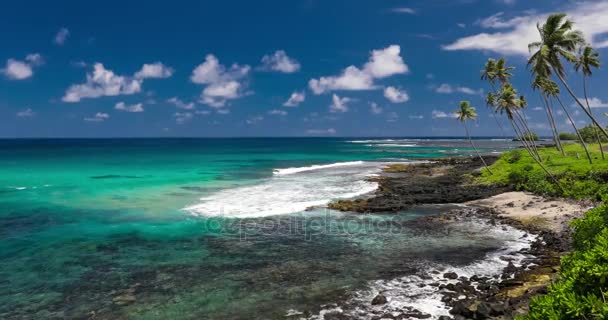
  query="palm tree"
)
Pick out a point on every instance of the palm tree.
point(502, 72)
point(489, 74)
point(558, 41)
point(537, 84)
point(551, 89)
point(466, 112)
point(589, 58)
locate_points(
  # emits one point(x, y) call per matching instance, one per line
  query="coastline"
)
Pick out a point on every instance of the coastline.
point(506, 295)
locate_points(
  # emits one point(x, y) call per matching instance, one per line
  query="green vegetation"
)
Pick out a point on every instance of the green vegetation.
point(580, 292)
point(576, 178)
point(590, 134)
point(531, 136)
point(567, 136)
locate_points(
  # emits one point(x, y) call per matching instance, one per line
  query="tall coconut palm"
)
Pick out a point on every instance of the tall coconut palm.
point(489, 74)
point(537, 85)
point(508, 102)
point(502, 72)
point(465, 113)
point(589, 58)
point(551, 89)
point(558, 41)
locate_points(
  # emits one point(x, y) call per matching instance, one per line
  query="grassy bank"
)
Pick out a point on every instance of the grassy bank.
point(581, 289)
point(578, 179)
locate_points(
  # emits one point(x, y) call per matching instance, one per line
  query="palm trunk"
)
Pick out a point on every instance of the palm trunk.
point(529, 137)
point(580, 104)
point(519, 135)
point(553, 125)
point(575, 129)
point(466, 129)
point(554, 132)
point(597, 135)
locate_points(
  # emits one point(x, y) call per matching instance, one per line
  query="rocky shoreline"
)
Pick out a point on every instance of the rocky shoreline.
point(503, 296)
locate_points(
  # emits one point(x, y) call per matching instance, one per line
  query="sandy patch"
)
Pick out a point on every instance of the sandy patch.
point(552, 214)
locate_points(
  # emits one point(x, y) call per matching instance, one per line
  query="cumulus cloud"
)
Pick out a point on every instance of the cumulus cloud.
point(374, 108)
point(595, 102)
point(138, 107)
point(339, 104)
point(279, 62)
point(277, 112)
point(103, 82)
point(329, 131)
point(98, 117)
point(437, 114)
point(182, 117)
point(404, 10)
point(154, 70)
point(447, 88)
point(395, 95)
point(382, 63)
point(20, 70)
point(512, 35)
point(61, 36)
point(26, 113)
point(181, 104)
point(222, 84)
point(295, 99)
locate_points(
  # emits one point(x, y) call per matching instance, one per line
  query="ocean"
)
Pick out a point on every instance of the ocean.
point(222, 229)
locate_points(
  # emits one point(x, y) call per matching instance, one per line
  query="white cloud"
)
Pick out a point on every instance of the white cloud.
point(295, 99)
point(416, 117)
point(102, 82)
point(404, 10)
point(26, 113)
point(516, 33)
point(280, 62)
point(339, 104)
point(595, 102)
point(61, 36)
point(437, 114)
point(447, 88)
point(374, 108)
point(181, 104)
point(99, 117)
point(329, 131)
point(182, 117)
point(537, 109)
point(20, 70)
point(254, 119)
point(395, 95)
point(202, 112)
point(277, 112)
point(138, 107)
point(382, 63)
point(222, 84)
point(392, 117)
point(461, 25)
point(154, 70)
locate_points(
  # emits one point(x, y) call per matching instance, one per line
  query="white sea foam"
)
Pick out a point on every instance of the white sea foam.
point(392, 145)
point(414, 291)
point(287, 171)
point(291, 190)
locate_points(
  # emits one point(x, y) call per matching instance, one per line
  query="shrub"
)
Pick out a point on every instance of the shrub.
point(588, 134)
point(528, 136)
point(568, 136)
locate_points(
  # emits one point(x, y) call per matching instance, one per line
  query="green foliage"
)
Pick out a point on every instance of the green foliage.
point(589, 135)
point(580, 292)
point(528, 136)
point(568, 136)
point(578, 178)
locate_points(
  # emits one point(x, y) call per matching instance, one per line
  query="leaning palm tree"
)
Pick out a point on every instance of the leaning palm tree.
point(558, 41)
point(465, 113)
point(537, 85)
point(507, 101)
point(551, 89)
point(589, 58)
point(489, 74)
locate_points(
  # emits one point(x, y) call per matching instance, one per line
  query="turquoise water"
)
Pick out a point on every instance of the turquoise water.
point(204, 228)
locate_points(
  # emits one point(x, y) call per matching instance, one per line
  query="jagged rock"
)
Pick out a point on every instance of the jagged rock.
point(450, 275)
point(379, 299)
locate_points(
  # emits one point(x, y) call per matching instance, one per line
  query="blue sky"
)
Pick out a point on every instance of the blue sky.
point(269, 68)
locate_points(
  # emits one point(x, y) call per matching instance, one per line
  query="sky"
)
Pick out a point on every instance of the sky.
point(272, 67)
